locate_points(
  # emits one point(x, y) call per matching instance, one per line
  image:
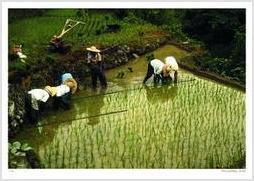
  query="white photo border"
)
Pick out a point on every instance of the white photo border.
point(126, 173)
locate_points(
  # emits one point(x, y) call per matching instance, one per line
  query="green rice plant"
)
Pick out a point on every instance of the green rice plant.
point(203, 126)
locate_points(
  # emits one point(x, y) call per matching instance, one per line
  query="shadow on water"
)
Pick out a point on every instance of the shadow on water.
point(95, 109)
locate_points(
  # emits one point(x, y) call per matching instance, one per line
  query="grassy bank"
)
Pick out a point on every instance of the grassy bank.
point(36, 32)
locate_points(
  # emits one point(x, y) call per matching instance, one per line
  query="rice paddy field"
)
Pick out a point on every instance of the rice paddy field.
point(197, 123)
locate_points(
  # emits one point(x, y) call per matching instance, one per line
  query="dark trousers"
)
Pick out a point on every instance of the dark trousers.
point(63, 102)
point(149, 73)
point(97, 72)
point(32, 115)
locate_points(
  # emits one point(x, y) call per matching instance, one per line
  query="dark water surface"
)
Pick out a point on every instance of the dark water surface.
point(195, 124)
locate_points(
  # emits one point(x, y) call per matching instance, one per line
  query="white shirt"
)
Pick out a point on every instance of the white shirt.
point(157, 65)
point(38, 95)
point(62, 89)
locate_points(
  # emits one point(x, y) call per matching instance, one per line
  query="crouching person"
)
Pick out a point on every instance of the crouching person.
point(170, 61)
point(35, 102)
point(157, 68)
point(64, 92)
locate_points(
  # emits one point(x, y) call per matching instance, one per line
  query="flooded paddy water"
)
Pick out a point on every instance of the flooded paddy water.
point(197, 123)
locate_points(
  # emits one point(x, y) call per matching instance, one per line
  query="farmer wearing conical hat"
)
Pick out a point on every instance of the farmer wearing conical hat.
point(96, 66)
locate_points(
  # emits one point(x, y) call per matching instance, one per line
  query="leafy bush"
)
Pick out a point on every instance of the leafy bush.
point(221, 66)
point(18, 66)
point(17, 154)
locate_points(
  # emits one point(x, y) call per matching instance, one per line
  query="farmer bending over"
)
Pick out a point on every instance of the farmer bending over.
point(36, 100)
point(157, 68)
point(64, 92)
point(38, 97)
point(96, 66)
point(173, 67)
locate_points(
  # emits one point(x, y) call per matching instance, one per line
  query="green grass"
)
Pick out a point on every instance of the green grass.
point(36, 32)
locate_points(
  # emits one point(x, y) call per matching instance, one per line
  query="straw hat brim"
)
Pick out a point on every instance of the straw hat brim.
point(93, 49)
point(51, 90)
point(72, 84)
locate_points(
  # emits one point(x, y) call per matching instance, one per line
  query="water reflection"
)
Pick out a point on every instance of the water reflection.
point(163, 93)
point(95, 110)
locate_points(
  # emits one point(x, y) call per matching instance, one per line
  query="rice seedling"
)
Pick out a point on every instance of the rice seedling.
point(200, 125)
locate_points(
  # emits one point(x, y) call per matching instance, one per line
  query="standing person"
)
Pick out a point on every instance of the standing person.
point(96, 66)
point(157, 68)
point(173, 67)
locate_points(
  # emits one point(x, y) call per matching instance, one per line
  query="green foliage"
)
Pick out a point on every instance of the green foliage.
point(175, 32)
point(168, 19)
point(36, 32)
point(17, 65)
point(150, 57)
point(223, 33)
point(120, 13)
point(221, 66)
point(238, 52)
point(17, 153)
point(132, 18)
point(50, 59)
point(220, 31)
point(18, 14)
